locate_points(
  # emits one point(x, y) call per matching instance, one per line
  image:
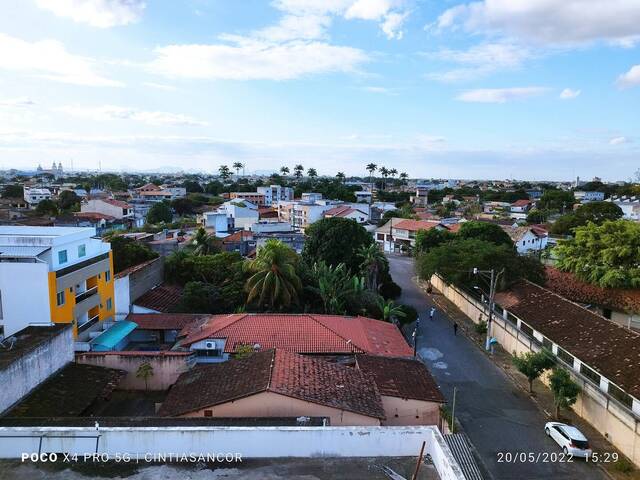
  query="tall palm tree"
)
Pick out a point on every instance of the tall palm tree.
point(393, 172)
point(341, 176)
point(372, 167)
point(204, 244)
point(312, 173)
point(403, 177)
point(224, 172)
point(335, 285)
point(237, 166)
point(284, 171)
point(274, 283)
point(297, 171)
point(384, 171)
point(372, 264)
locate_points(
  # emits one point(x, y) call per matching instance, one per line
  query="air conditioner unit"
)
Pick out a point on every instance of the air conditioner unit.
point(210, 345)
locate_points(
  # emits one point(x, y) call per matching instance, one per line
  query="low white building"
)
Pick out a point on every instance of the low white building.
point(33, 196)
point(528, 239)
point(275, 193)
point(630, 206)
point(108, 206)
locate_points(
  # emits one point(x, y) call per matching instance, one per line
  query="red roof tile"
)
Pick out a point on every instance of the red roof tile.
point(239, 236)
point(162, 298)
point(301, 333)
point(93, 216)
point(521, 203)
point(400, 377)
point(415, 225)
point(163, 321)
point(311, 380)
point(116, 203)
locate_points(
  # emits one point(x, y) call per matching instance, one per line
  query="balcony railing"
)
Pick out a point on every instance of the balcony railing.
point(86, 325)
point(86, 294)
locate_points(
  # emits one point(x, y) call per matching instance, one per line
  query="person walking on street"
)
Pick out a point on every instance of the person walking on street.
point(432, 313)
point(455, 328)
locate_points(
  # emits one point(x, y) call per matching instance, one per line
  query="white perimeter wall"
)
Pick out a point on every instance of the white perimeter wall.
point(256, 442)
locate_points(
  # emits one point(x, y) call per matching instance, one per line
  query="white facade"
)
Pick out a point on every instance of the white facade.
point(33, 196)
point(270, 227)
point(243, 216)
point(363, 196)
point(176, 192)
point(311, 197)
point(218, 221)
point(530, 242)
point(275, 193)
point(630, 206)
point(116, 209)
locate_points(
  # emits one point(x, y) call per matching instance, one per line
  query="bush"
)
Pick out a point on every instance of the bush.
point(410, 315)
point(480, 328)
point(623, 465)
point(390, 290)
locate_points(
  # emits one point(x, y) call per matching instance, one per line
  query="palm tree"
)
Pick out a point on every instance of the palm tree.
point(204, 244)
point(341, 176)
point(385, 173)
point(389, 310)
point(335, 286)
point(297, 171)
point(274, 282)
point(373, 263)
point(224, 172)
point(393, 172)
point(237, 166)
point(284, 171)
point(372, 167)
point(312, 173)
point(403, 177)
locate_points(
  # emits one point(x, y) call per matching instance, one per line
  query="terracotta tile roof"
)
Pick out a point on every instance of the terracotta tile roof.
point(521, 203)
point(610, 349)
point(156, 193)
point(516, 233)
point(239, 236)
point(162, 298)
point(149, 186)
point(571, 287)
point(301, 333)
point(116, 203)
point(400, 377)
point(311, 380)
point(454, 227)
point(267, 212)
point(341, 211)
point(93, 216)
point(163, 321)
point(415, 225)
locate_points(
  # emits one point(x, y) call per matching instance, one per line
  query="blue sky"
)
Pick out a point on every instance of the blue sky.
point(531, 89)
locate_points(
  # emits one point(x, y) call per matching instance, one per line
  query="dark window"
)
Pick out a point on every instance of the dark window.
point(212, 352)
point(590, 374)
point(565, 356)
point(606, 313)
point(547, 343)
point(620, 395)
point(581, 444)
point(526, 329)
point(208, 413)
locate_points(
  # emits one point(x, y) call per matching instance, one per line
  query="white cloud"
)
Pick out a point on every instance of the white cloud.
point(553, 22)
point(17, 102)
point(160, 86)
point(618, 140)
point(479, 60)
point(49, 59)
point(630, 78)
point(97, 13)
point(392, 25)
point(114, 112)
point(251, 59)
point(296, 27)
point(381, 90)
point(569, 94)
point(368, 9)
point(499, 95)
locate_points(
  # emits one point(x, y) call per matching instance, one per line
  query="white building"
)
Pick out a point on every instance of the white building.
point(630, 206)
point(528, 239)
point(275, 193)
point(54, 275)
point(218, 221)
point(311, 197)
point(33, 196)
point(363, 196)
point(243, 212)
point(108, 206)
point(585, 197)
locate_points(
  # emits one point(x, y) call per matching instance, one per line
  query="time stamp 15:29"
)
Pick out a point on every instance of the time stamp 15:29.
point(554, 457)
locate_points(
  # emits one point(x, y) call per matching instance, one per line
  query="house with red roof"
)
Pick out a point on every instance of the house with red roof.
point(216, 338)
point(110, 207)
point(399, 234)
point(346, 211)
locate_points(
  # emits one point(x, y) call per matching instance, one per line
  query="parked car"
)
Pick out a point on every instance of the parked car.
point(569, 438)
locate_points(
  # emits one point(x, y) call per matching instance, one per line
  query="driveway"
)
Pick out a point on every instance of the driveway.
point(498, 417)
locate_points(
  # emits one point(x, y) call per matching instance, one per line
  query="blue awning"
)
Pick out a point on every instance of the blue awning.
point(111, 337)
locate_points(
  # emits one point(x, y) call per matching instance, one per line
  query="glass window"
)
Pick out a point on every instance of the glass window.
point(620, 395)
point(82, 250)
point(62, 256)
point(547, 343)
point(565, 356)
point(590, 374)
point(107, 275)
point(109, 304)
point(60, 298)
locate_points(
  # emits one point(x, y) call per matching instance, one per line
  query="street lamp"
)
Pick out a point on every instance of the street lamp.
point(415, 337)
point(492, 276)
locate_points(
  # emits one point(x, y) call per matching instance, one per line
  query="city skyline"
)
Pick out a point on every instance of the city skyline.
point(462, 90)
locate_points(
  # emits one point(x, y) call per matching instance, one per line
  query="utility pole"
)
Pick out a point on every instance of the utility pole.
point(493, 282)
point(453, 411)
point(415, 338)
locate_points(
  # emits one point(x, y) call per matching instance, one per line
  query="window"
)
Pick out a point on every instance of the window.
point(82, 250)
point(546, 343)
point(526, 329)
point(590, 374)
point(62, 256)
point(109, 304)
point(565, 356)
point(107, 275)
point(208, 413)
point(620, 395)
point(60, 298)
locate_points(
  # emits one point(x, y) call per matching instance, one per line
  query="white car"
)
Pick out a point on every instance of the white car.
point(569, 438)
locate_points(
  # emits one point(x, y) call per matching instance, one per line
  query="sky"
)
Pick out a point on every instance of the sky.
point(527, 89)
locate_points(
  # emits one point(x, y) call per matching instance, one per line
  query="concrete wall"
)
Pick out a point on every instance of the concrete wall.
point(32, 368)
point(269, 404)
point(620, 426)
point(251, 442)
point(401, 411)
point(143, 280)
point(24, 291)
point(167, 366)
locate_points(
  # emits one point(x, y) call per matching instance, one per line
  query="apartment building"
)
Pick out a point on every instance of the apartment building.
point(33, 196)
point(54, 275)
point(301, 214)
point(253, 197)
point(275, 193)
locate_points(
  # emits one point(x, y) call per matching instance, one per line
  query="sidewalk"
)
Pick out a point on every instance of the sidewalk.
point(541, 396)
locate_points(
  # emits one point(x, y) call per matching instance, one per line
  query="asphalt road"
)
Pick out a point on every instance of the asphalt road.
point(495, 414)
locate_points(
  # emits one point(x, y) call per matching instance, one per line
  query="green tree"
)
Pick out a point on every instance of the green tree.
point(532, 365)
point(390, 311)
point(237, 166)
point(606, 255)
point(145, 371)
point(334, 241)
point(243, 351)
point(274, 283)
point(127, 253)
point(340, 176)
point(403, 177)
point(536, 215)
point(47, 207)
point(428, 239)
point(284, 171)
point(199, 297)
point(160, 212)
point(489, 232)
point(183, 206)
point(203, 243)
point(373, 264)
point(556, 200)
point(371, 168)
point(565, 390)
point(335, 285)
point(595, 212)
point(12, 191)
point(68, 200)
point(297, 171)
point(312, 173)
point(193, 187)
point(224, 172)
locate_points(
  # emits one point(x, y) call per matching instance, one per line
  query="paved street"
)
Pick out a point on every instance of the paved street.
point(496, 415)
